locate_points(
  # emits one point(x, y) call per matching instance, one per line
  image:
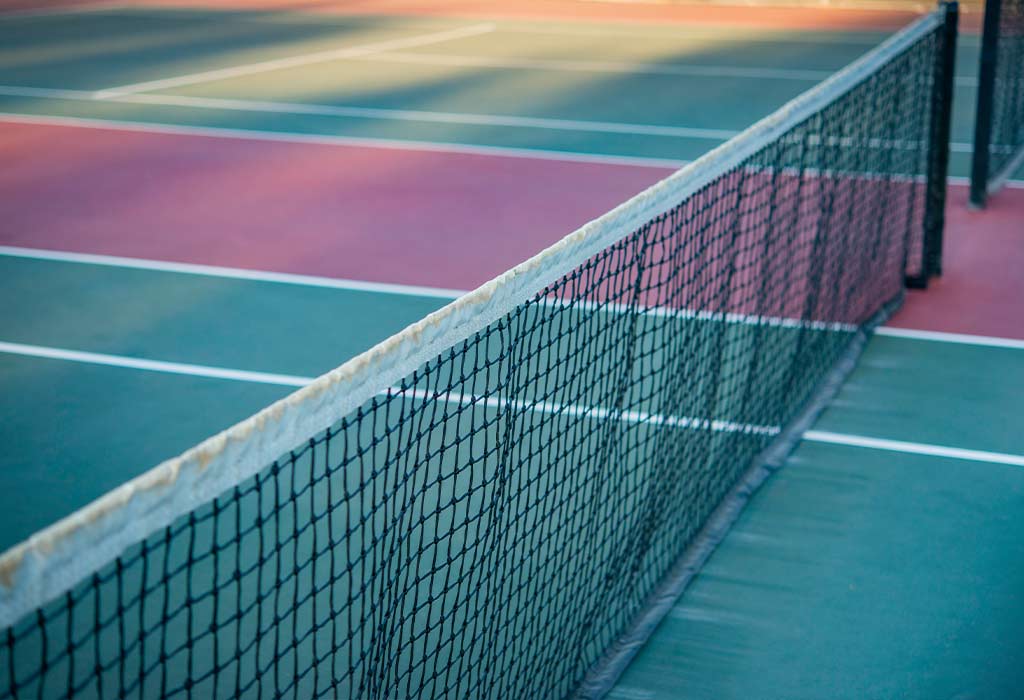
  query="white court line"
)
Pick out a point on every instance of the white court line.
point(617, 67)
point(405, 115)
point(302, 60)
point(493, 402)
point(230, 272)
point(94, 358)
point(408, 290)
point(628, 67)
point(941, 337)
point(680, 31)
point(963, 181)
point(271, 107)
point(590, 412)
point(352, 141)
point(961, 147)
point(913, 448)
point(593, 412)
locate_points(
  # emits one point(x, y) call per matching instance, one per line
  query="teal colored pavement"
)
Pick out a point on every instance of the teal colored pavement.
point(79, 430)
point(197, 319)
point(669, 93)
point(867, 573)
point(934, 393)
point(855, 572)
point(647, 92)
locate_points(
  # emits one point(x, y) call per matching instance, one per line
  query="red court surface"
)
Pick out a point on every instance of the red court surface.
point(438, 219)
point(981, 291)
point(446, 220)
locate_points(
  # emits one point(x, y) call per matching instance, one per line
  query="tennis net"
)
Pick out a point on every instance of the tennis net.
point(999, 120)
point(499, 500)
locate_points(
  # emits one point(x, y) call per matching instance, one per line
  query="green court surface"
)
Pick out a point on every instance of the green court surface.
point(115, 422)
point(855, 572)
point(934, 393)
point(88, 427)
point(206, 320)
point(641, 92)
point(297, 332)
point(865, 573)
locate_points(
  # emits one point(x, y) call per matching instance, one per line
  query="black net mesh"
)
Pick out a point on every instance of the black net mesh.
point(491, 526)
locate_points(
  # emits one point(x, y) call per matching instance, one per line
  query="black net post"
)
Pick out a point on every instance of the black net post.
point(986, 98)
point(938, 149)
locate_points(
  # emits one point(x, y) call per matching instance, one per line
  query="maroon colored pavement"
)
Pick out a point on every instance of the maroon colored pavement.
point(399, 216)
point(981, 291)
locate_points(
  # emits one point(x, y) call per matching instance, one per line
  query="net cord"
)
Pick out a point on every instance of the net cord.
point(54, 560)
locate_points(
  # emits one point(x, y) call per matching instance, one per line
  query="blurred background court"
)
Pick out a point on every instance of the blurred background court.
point(204, 207)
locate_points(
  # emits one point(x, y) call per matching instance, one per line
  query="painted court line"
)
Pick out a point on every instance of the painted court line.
point(413, 290)
point(493, 402)
point(402, 289)
point(964, 147)
point(963, 181)
point(616, 67)
point(94, 358)
point(389, 114)
point(352, 141)
point(408, 290)
point(941, 337)
point(295, 61)
point(594, 412)
point(627, 67)
point(404, 115)
point(422, 116)
point(914, 448)
point(230, 273)
point(726, 35)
